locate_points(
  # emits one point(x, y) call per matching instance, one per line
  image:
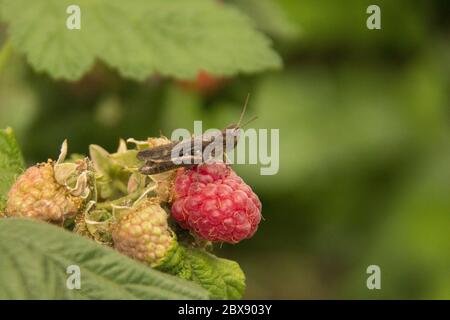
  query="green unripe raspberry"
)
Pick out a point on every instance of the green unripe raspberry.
point(143, 233)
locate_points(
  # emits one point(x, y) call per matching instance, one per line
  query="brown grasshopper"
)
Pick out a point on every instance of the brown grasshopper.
point(189, 153)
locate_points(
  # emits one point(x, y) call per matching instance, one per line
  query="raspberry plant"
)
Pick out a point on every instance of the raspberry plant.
point(124, 229)
point(104, 198)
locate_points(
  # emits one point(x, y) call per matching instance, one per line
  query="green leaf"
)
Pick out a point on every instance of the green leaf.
point(112, 166)
point(100, 159)
point(127, 160)
point(11, 163)
point(223, 278)
point(34, 257)
point(270, 18)
point(172, 38)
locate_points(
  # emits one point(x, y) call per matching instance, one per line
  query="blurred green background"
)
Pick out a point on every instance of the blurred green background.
point(364, 123)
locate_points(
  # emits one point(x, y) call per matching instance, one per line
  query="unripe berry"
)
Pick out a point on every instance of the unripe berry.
point(143, 233)
point(36, 194)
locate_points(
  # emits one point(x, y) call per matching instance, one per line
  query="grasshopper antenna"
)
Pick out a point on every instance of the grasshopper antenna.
point(244, 109)
point(249, 121)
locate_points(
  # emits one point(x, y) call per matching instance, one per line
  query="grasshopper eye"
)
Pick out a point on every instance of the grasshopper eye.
point(232, 134)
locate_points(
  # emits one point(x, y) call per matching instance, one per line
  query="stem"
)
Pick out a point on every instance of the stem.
point(108, 204)
point(5, 53)
point(120, 185)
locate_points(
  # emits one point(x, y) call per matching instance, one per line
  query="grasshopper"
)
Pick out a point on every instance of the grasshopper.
point(189, 153)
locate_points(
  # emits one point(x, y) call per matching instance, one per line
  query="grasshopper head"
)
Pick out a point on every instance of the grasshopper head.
point(232, 132)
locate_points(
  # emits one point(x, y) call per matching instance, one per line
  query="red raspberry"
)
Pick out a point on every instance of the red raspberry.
point(204, 83)
point(212, 201)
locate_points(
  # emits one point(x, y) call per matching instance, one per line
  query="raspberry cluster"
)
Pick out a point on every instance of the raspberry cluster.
point(213, 202)
point(108, 200)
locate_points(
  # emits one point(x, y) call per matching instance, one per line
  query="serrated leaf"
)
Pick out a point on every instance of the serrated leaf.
point(223, 278)
point(11, 163)
point(172, 38)
point(34, 257)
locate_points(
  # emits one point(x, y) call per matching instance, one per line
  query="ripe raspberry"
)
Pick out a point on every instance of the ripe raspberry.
point(36, 194)
point(213, 202)
point(204, 83)
point(143, 233)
